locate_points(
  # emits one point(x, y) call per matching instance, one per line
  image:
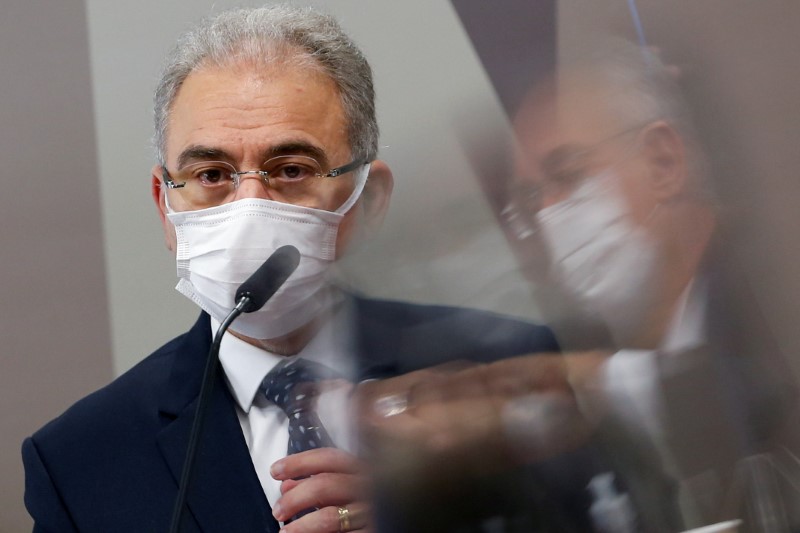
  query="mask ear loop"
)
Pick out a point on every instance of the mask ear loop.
point(361, 181)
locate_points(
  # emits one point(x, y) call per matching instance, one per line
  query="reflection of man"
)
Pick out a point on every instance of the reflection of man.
point(622, 212)
point(612, 171)
point(266, 133)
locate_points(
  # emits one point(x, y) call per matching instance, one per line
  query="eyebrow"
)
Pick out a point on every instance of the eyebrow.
point(202, 153)
point(207, 153)
point(298, 148)
point(557, 157)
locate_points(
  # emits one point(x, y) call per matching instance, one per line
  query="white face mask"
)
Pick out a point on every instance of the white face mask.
point(220, 247)
point(600, 255)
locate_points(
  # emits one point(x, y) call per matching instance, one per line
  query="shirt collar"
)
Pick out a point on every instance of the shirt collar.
point(245, 366)
point(687, 329)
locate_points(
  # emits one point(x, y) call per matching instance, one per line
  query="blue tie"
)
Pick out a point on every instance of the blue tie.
point(292, 386)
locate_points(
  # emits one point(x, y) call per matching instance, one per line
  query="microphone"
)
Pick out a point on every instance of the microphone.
point(251, 296)
point(269, 277)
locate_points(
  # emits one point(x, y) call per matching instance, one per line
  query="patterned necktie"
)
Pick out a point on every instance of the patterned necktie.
point(292, 386)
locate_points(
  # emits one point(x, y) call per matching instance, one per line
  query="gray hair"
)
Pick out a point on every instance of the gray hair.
point(643, 89)
point(301, 37)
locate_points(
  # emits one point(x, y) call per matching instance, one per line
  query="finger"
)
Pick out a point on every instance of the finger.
point(506, 378)
point(368, 392)
point(461, 424)
point(437, 383)
point(444, 387)
point(338, 384)
point(411, 426)
point(319, 491)
point(327, 520)
point(311, 462)
point(289, 484)
point(542, 425)
point(526, 374)
point(584, 368)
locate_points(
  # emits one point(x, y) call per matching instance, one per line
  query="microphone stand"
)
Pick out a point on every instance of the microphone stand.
point(209, 375)
point(251, 296)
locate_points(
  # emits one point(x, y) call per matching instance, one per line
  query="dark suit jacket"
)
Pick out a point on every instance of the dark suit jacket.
point(730, 405)
point(111, 462)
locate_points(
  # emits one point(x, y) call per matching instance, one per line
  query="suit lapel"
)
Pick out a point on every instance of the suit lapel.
point(225, 494)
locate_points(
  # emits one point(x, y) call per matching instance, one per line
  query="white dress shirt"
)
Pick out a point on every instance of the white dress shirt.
point(264, 424)
point(631, 377)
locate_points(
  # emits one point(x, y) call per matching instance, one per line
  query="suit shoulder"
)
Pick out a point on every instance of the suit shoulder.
point(405, 314)
point(415, 336)
point(135, 391)
point(409, 314)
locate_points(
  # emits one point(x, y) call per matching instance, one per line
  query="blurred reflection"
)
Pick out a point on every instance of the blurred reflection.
point(633, 235)
point(681, 414)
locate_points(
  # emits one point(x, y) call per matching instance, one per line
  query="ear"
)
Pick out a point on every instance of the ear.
point(158, 193)
point(376, 195)
point(665, 155)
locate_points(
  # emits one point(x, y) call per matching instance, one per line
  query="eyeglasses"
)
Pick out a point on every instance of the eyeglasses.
point(293, 179)
point(562, 172)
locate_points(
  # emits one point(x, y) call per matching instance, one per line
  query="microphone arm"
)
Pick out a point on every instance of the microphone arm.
point(209, 375)
point(251, 296)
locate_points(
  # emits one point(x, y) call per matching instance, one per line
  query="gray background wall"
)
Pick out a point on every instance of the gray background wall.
point(87, 286)
point(54, 326)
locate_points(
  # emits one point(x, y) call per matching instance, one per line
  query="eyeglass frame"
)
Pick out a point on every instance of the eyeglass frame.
point(517, 212)
point(264, 174)
point(535, 191)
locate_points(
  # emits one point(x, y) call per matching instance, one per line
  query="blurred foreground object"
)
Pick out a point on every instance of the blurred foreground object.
point(689, 422)
point(454, 446)
point(617, 194)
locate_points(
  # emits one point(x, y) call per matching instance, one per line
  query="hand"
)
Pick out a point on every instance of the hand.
point(441, 441)
point(515, 410)
point(324, 479)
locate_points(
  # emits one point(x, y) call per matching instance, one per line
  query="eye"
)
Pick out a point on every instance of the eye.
point(293, 170)
point(212, 176)
point(565, 168)
point(567, 176)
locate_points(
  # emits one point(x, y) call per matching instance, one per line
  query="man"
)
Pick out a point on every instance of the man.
point(605, 193)
point(687, 421)
point(616, 191)
point(266, 136)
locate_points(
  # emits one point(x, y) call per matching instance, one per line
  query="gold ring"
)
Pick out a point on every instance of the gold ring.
point(344, 519)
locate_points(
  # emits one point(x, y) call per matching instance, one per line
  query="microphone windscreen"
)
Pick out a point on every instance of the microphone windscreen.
point(268, 278)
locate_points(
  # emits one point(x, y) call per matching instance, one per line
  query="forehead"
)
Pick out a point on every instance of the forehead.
point(243, 110)
point(573, 110)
